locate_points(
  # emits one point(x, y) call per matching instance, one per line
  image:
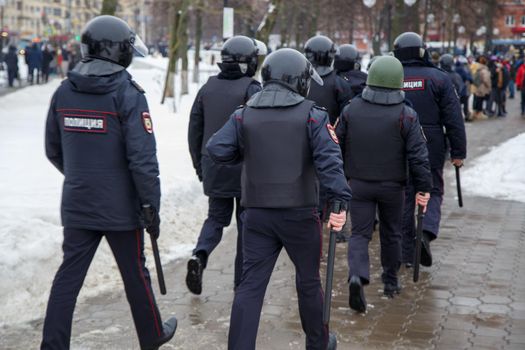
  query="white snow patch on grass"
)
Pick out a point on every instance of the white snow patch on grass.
point(500, 173)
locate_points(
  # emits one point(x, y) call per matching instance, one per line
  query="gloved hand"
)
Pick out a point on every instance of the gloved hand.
point(151, 220)
point(199, 174)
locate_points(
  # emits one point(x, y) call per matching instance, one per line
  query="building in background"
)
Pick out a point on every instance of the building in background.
point(61, 20)
point(510, 24)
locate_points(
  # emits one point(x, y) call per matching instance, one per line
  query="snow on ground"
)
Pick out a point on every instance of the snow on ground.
point(500, 173)
point(30, 230)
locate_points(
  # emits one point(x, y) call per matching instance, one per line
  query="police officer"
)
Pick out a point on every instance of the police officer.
point(99, 134)
point(285, 143)
point(215, 102)
point(347, 65)
point(432, 95)
point(446, 63)
point(379, 136)
point(335, 93)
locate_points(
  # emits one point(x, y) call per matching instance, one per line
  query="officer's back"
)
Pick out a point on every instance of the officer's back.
point(99, 134)
point(105, 121)
point(433, 96)
point(285, 144)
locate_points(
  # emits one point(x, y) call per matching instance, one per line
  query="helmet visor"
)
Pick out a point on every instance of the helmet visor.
point(261, 48)
point(139, 46)
point(315, 76)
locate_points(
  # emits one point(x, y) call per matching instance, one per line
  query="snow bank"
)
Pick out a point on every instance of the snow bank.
point(500, 173)
point(30, 229)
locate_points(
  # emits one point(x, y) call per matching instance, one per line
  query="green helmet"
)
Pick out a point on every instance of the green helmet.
point(386, 72)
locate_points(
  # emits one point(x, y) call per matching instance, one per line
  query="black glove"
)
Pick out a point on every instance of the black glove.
point(151, 220)
point(199, 174)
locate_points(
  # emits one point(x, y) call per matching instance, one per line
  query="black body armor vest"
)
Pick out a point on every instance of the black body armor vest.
point(278, 169)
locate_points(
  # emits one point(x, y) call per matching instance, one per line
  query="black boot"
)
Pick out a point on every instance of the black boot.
point(194, 275)
point(168, 331)
point(332, 342)
point(391, 289)
point(426, 254)
point(357, 299)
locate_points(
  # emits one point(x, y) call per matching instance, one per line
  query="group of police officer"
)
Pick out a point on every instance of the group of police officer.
point(279, 155)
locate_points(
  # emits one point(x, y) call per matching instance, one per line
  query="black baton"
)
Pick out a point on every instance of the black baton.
point(419, 236)
point(458, 185)
point(330, 269)
point(148, 213)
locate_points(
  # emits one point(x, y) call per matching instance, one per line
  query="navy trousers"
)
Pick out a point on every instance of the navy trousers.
point(432, 217)
point(388, 198)
point(220, 211)
point(266, 232)
point(79, 248)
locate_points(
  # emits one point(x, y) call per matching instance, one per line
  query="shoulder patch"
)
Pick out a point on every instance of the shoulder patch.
point(137, 86)
point(331, 132)
point(147, 123)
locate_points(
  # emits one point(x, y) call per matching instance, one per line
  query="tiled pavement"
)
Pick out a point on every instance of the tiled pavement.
point(472, 298)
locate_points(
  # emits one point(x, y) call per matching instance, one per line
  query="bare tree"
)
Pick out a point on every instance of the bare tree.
point(198, 38)
point(182, 39)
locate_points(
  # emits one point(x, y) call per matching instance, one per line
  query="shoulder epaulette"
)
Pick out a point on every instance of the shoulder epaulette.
point(320, 108)
point(137, 86)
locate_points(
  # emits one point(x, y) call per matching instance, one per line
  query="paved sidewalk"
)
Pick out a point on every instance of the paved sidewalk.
point(472, 298)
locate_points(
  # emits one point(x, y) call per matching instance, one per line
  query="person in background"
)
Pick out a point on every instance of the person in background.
point(348, 66)
point(512, 67)
point(65, 60)
point(492, 66)
point(481, 86)
point(60, 59)
point(502, 76)
point(34, 63)
point(11, 60)
point(520, 83)
point(47, 58)
point(464, 72)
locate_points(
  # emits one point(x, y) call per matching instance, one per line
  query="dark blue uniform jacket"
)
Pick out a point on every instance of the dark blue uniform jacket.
point(432, 94)
point(226, 146)
point(99, 135)
point(218, 180)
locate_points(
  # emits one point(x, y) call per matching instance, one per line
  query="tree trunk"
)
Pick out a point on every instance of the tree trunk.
point(109, 7)
point(489, 23)
point(351, 26)
point(314, 8)
point(425, 19)
point(198, 36)
point(287, 19)
point(182, 34)
point(169, 83)
point(268, 21)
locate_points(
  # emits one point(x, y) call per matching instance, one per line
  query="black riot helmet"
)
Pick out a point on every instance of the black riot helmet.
point(446, 62)
point(409, 45)
point(240, 53)
point(111, 39)
point(320, 51)
point(346, 58)
point(288, 67)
